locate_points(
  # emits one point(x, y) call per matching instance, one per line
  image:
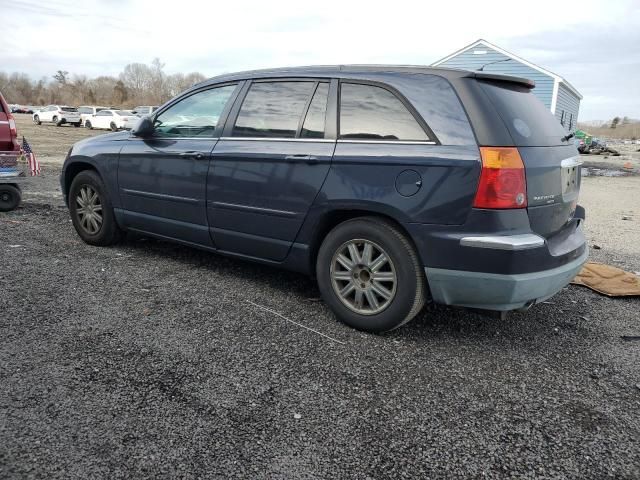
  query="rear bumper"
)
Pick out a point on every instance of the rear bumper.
point(502, 292)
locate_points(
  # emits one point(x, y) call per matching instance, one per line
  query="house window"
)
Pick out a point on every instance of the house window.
point(570, 121)
point(562, 118)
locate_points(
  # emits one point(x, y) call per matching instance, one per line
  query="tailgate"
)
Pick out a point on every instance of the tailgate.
point(552, 162)
point(553, 185)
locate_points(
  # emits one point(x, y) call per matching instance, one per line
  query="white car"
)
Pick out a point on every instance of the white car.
point(87, 111)
point(143, 111)
point(112, 119)
point(58, 114)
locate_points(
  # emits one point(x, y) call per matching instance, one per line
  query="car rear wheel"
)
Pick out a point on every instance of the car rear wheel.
point(88, 125)
point(370, 276)
point(55, 120)
point(77, 124)
point(10, 197)
point(114, 127)
point(91, 210)
point(36, 120)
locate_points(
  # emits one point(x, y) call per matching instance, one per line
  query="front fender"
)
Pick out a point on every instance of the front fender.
point(98, 153)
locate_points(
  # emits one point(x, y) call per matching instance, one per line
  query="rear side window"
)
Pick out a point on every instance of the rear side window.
point(529, 122)
point(313, 126)
point(69, 109)
point(273, 109)
point(368, 112)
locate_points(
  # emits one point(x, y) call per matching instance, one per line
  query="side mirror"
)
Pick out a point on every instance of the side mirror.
point(144, 127)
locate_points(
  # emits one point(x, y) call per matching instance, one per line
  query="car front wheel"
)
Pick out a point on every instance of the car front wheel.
point(91, 210)
point(114, 127)
point(370, 275)
point(88, 125)
point(36, 120)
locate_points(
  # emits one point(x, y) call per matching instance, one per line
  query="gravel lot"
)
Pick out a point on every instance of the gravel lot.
point(147, 360)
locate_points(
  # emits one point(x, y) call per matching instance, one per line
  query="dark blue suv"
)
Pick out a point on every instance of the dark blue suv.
point(390, 184)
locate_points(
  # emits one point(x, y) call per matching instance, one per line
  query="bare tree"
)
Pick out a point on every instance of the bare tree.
point(61, 76)
point(138, 84)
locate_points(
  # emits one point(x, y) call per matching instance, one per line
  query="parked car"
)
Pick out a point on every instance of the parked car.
point(8, 130)
point(112, 120)
point(142, 111)
point(58, 114)
point(87, 111)
point(389, 184)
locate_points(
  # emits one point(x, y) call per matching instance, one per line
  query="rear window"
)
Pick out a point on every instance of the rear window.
point(273, 109)
point(69, 109)
point(529, 122)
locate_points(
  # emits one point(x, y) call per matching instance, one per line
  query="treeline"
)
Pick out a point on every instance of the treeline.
point(618, 127)
point(138, 84)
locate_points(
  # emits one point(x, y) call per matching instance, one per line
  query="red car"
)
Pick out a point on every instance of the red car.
point(8, 131)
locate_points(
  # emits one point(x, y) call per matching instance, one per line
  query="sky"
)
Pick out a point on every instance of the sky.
point(592, 44)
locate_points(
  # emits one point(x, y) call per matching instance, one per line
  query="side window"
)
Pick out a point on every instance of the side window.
point(562, 118)
point(570, 122)
point(103, 113)
point(368, 112)
point(313, 126)
point(272, 109)
point(195, 116)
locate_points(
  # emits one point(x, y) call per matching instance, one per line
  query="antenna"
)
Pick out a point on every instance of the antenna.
point(481, 69)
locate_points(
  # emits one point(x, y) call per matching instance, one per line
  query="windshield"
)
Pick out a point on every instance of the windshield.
point(529, 122)
point(124, 112)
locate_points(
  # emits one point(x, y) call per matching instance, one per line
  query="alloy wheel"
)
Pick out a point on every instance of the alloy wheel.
point(363, 276)
point(89, 209)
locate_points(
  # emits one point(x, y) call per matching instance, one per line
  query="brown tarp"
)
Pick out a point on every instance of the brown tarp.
point(608, 280)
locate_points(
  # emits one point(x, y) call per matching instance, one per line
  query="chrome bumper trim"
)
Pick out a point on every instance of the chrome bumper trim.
point(504, 242)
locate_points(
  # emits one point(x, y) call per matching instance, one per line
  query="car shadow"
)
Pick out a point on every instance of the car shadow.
point(433, 322)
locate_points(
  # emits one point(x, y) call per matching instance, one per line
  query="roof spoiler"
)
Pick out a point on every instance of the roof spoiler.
point(503, 78)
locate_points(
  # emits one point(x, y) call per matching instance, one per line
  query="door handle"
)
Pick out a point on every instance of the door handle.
point(194, 155)
point(310, 159)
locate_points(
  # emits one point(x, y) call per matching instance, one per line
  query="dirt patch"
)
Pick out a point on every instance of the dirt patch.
point(47, 140)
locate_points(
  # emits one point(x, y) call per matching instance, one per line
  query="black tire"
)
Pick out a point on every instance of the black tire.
point(410, 283)
point(108, 232)
point(76, 125)
point(36, 120)
point(55, 121)
point(10, 197)
point(113, 127)
point(88, 125)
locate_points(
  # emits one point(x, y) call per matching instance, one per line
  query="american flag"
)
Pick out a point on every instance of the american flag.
point(32, 161)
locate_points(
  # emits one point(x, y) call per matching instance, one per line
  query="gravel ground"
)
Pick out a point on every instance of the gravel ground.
point(147, 360)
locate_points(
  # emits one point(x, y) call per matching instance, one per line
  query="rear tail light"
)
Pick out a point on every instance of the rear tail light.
point(502, 179)
point(13, 132)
